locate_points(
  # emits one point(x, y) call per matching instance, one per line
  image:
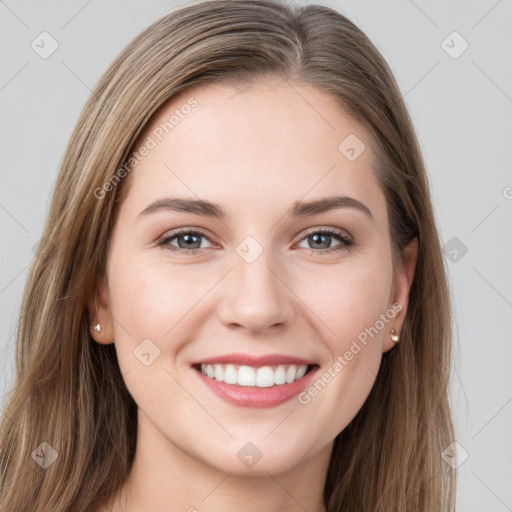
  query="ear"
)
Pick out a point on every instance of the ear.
point(99, 313)
point(401, 287)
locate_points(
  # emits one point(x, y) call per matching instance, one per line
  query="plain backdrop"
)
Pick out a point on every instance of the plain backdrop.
point(458, 88)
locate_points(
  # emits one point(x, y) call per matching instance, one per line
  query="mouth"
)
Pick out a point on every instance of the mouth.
point(255, 382)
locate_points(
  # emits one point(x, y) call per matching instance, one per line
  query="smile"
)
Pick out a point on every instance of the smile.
point(255, 382)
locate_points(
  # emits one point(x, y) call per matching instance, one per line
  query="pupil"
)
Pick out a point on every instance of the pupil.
point(187, 239)
point(319, 235)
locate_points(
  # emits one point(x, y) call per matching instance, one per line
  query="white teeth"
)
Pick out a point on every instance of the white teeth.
point(290, 374)
point(218, 372)
point(265, 377)
point(280, 375)
point(246, 376)
point(262, 377)
point(301, 371)
point(230, 374)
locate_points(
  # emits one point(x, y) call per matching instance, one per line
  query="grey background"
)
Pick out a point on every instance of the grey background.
point(461, 108)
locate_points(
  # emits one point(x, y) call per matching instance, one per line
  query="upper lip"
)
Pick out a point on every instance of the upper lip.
point(251, 360)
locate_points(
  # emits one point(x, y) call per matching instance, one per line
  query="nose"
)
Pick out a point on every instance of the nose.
point(255, 297)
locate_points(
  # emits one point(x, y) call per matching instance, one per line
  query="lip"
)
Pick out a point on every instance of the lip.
point(251, 360)
point(257, 398)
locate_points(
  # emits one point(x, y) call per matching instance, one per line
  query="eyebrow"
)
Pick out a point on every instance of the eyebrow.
point(298, 208)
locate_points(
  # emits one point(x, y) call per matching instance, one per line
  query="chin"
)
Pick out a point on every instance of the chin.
point(256, 459)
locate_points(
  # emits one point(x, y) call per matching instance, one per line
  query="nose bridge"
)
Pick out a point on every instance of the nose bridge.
point(255, 298)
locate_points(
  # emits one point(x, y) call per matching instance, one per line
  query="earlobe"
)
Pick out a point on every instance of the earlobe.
point(100, 318)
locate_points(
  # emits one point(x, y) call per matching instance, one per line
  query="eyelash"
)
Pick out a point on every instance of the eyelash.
point(345, 241)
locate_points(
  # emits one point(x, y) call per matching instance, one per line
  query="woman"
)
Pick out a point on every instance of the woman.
point(240, 299)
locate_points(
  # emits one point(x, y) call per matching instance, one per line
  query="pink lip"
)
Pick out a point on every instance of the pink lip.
point(249, 360)
point(258, 398)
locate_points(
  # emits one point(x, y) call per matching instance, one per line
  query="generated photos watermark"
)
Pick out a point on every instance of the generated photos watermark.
point(344, 359)
point(156, 136)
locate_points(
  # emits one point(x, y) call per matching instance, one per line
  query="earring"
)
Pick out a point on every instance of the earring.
point(394, 336)
point(97, 328)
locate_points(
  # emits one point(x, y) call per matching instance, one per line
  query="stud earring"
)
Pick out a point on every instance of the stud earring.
point(394, 335)
point(97, 328)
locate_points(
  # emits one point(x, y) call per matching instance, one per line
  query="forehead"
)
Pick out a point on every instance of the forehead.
point(269, 144)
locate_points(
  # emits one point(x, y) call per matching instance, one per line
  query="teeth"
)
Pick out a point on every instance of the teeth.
point(301, 371)
point(290, 374)
point(262, 377)
point(280, 375)
point(219, 372)
point(265, 377)
point(230, 374)
point(246, 376)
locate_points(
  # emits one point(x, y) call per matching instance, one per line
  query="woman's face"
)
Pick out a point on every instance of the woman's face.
point(263, 281)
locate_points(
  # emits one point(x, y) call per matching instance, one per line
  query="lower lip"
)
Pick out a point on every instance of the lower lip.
point(259, 398)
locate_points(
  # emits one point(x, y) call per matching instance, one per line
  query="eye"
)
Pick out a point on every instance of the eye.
point(321, 239)
point(189, 241)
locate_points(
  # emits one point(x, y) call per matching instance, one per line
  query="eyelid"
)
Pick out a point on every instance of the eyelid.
point(327, 229)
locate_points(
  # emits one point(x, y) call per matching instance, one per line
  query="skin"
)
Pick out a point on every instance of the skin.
point(254, 152)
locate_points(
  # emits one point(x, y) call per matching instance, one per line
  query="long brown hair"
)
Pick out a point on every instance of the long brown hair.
point(69, 391)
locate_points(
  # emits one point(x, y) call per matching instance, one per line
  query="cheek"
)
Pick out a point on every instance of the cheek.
point(149, 304)
point(150, 299)
point(152, 305)
point(350, 303)
point(348, 300)
point(353, 314)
